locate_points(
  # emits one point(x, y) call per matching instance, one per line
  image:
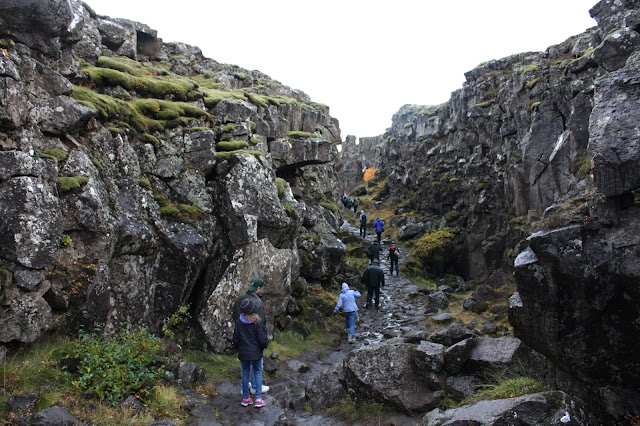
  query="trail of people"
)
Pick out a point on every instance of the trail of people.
point(401, 313)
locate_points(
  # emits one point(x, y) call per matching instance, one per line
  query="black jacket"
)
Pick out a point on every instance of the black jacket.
point(373, 276)
point(374, 251)
point(250, 339)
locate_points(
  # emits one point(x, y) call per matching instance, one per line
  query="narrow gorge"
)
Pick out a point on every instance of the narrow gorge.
point(139, 178)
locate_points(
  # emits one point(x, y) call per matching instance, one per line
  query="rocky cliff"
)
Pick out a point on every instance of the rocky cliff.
point(138, 176)
point(534, 164)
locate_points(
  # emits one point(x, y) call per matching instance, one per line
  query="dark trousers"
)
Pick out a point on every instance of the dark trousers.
point(379, 234)
point(394, 261)
point(363, 230)
point(371, 292)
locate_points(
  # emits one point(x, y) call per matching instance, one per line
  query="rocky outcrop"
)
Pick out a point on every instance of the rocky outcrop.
point(138, 176)
point(544, 143)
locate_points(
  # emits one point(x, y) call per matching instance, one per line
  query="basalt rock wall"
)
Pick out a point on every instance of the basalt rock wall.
point(137, 176)
point(535, 160)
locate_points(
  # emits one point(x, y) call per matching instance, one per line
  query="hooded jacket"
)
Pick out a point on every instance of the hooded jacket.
point(373, 276)
point(347, 299)
point(379, 225)
point(250, 338)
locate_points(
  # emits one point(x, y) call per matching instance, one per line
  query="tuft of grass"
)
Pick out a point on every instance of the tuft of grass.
point(506, 388)
point(348, 409)
point(219, 367)
point(329, 206)
point(280, 185)
point(302, 135)
point(71, 182)
point(54, 154)
point(144, 182)
point(231, 145)
point(225, 155)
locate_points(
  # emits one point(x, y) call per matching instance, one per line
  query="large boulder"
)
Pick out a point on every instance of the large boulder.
point(613, 130)
point(577, 304)
point(387, 372)
point(548, 408)
point(277, 267)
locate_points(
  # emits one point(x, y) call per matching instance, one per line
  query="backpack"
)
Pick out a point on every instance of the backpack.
point(393, 251)
point(363, 219)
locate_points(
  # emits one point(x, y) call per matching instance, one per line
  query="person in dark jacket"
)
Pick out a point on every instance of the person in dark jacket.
point(250, 339)
point(373, 253)
point(363, 224)
point(254, 293)
point(379, 227)
point(373, 278)
point(394, 256)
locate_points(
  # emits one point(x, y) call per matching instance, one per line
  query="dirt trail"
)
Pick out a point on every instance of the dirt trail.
point(401, 312)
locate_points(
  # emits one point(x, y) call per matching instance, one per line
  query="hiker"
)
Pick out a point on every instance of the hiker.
point(254, 293)
point(354, 204)
point(394, 255)
point(379, 227)
point(363, 224)
point(349, 308)
point(373, 253)
point(345, 200)
point(250, 339)
point(373, 278)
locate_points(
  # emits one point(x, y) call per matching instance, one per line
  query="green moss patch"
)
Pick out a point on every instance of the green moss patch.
point(302, 135)
point(225, 155)
point(231, 145)
point(54, 154)
point(71, 182)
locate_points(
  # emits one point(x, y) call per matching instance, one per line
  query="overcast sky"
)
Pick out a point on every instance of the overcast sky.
point(364, 59)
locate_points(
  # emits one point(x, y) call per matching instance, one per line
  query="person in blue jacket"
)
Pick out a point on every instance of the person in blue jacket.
point(379, 227)
point(349, 308)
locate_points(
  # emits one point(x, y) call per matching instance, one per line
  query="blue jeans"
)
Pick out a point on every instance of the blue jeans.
point(350, 322)
point(251, 369)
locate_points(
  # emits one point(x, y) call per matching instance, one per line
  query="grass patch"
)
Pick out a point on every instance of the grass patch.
point(503, 388)
point(219, 367)
point(54, 154)
point(329, 206)
point(281, 184)
point(68, 183)
point(231, 145)
point(349, 410)
point(225, 155)
point(302, 135)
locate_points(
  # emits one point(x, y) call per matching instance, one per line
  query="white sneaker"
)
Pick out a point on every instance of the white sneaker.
point(265, 389)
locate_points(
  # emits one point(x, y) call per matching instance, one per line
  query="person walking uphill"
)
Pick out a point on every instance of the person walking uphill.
point(373, 278)
point(250, 338)
point(363, 224)
point(394, 256)
point(254, 293)
point(349, 308)
point(379, 227)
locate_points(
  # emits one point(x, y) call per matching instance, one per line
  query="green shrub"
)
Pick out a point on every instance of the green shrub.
point(430, 242)
point(65, 240)
point(584, 169)
point(180, 316)
point(117, 366)
point(72, 182)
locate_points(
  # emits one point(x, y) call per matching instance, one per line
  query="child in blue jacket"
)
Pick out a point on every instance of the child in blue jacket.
point(349, 308)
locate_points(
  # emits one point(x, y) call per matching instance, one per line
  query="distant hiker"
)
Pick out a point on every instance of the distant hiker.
point(379, 227)
point(349, 308)
point(354, 204)
point(373, 253)
point(250, 339)
point(394, 255)
point(373, 278)
point(363, 224)
point(345, 200)
point(254, 293)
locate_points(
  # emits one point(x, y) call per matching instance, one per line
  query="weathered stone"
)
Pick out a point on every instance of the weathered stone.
point(459, 388)
point(523, 410)
point(326, 389)
point(374, 371)
point(55, 415)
